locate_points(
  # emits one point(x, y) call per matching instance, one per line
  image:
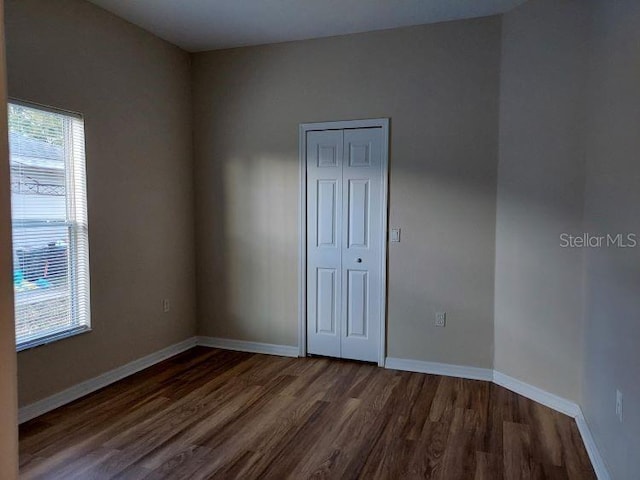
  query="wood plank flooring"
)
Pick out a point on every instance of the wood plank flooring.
point(209, 413)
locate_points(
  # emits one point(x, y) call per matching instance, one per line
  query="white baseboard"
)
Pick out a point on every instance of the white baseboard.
point(251, 347)
point(592, 449)
point(561, 405)
point(45, 405)
point(448, 370)
point(536, 394)
point(33, 410)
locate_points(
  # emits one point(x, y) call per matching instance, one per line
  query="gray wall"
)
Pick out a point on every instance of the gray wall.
point(612, 353)
point(539, 290)
point(134, 91)
point(567, 320)
point(439, 85)
point(566, 92)
point(8, 387)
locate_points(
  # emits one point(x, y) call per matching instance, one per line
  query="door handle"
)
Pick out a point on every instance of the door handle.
point(358, 260)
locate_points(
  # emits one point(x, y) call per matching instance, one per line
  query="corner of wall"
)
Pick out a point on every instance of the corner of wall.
point(8, 369)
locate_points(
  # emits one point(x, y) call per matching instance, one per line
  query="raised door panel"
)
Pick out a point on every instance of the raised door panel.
point(327, 213)
point(358, 213)
point(357, 303)
point(326, 305)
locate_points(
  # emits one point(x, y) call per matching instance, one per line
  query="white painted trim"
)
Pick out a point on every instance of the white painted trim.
point(302, 243)
point(343, 124)
point(448, 370)
point(45, 405)
point(252, 347)
point(31, 411)
point(302, 225)
point(382, 351)
point(592, 449)
point(536, 394)
point(561, 405)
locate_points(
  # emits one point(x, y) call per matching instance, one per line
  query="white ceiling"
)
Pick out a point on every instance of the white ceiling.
point(198, 25)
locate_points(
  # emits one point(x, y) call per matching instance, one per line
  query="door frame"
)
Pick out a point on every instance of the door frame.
point(302, 225)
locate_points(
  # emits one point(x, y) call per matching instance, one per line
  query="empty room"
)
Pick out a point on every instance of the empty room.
point(340, 239)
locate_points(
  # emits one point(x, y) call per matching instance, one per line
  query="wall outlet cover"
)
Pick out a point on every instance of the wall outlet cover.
point(441, 319)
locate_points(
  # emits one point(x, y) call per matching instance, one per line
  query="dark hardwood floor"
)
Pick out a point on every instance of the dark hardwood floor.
point(210, 413)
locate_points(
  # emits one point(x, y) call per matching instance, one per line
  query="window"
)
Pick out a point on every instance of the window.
point(49, 215)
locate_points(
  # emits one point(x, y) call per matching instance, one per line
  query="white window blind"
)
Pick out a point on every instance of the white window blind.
point(50, 231)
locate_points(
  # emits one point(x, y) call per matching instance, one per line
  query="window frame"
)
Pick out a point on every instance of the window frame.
point(72, 223)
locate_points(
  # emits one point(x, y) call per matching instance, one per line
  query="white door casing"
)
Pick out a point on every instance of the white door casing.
point(343, 242)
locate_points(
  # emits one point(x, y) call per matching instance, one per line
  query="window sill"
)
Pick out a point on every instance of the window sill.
point(52, 338)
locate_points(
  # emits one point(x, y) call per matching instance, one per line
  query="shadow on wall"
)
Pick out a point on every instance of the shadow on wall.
point(246, 265)
point(248, 241)
point(442, 99)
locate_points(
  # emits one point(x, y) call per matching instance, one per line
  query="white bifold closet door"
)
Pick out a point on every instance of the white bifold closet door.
point(344, 242)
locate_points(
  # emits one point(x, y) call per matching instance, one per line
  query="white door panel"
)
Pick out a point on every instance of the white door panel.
point(361, 245)
point(358, 213)
point(327, 213)
point(344, 246)
point(324, 230)
point(326, 310)
point(357, 304)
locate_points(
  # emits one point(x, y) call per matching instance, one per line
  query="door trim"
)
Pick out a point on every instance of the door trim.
point(302, 225)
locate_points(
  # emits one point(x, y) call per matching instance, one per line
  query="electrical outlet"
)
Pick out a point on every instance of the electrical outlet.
point(441, 319)
point(166, 306)
point(619, 405)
